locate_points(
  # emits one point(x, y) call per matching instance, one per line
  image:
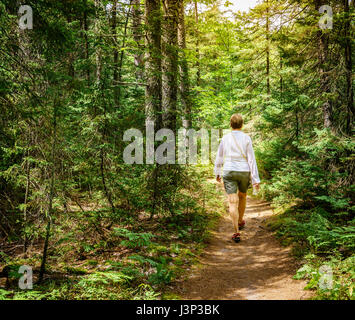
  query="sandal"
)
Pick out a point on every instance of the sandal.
point(241, 225)
point(236, 237)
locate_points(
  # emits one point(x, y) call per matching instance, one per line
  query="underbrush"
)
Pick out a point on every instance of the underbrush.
point(137, 257)
point(324, 246)
point(311, 188)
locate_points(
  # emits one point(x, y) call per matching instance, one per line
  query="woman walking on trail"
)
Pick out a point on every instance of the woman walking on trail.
point(236, 156)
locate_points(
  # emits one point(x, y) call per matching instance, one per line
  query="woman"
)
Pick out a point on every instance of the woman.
point(236, 153)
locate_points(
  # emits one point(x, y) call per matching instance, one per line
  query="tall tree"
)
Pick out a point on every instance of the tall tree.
point(349, 68)
point(100, 100)
point(267, 47)
point(197, 48)
point(116, 90)
point(137, 37)
point(98, 51)
point(86, 40)
point(183, 69)
point(324, 72)
point(51, 193)
point(170, 63)
point(153, 61)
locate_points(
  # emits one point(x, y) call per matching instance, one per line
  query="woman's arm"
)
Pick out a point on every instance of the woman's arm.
point(218, 165)
point(252, 163)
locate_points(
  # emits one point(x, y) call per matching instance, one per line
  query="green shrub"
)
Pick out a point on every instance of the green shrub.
point(134, 239)
point(314, 174)
point(340, 284)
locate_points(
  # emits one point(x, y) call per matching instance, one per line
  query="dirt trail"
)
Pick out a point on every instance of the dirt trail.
point(257, 268)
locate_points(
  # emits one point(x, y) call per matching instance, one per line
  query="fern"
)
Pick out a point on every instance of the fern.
point(99, 278)
point(143, 260)
point(4, 294)
point(134, 239)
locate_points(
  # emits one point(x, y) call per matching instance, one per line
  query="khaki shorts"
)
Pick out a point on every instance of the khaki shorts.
point(236, 180)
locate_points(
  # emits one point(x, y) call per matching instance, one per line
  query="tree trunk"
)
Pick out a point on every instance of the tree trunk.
point(198, 72)
point(86, 29)
point(137, 37)
point(267, 47)
point(115, 54)
point(99, 82)
point(50, 196)
point(323, 57)
point(153, 78)
point(153, 92)
point(103, 179)
point(349, 67)
point(120, 63)
point(98, 36)
point(118, 58)
point(170, 63)
point(281, 79)
point(71, 69)
point(28, 170)
point(183, 70)
point(281, 62)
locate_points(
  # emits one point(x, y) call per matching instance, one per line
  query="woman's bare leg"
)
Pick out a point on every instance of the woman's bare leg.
point(232, 199)
point(242, 205)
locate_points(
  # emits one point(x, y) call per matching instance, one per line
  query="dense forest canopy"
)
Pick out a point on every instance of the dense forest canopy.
point(86, 71)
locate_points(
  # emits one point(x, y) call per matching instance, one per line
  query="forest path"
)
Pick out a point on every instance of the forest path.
point(257, 268)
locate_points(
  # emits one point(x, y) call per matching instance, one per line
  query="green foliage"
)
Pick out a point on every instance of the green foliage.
point(49, 80)
point(77, 271)
point(305, 179)
point(145, 292)
point(143, 260)
point(340, 281)
point(320, 242)
point(163, 275)
point(319, 233)
point(134, 239)
point(30, 295)
point(99, 278)
point(4, 294)
point(103, 285)
point(336, 203)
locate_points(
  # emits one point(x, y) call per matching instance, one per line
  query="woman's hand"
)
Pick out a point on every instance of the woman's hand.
point(256, 186)
point(218, 178)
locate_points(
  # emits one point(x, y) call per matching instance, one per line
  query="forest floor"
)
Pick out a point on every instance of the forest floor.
point(257, 268)
point(191, 256)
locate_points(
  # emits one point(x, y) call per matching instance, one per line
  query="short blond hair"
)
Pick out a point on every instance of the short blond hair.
point(236, 121)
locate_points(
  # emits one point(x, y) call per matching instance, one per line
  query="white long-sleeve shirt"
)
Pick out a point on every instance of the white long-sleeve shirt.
point(230, 158)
